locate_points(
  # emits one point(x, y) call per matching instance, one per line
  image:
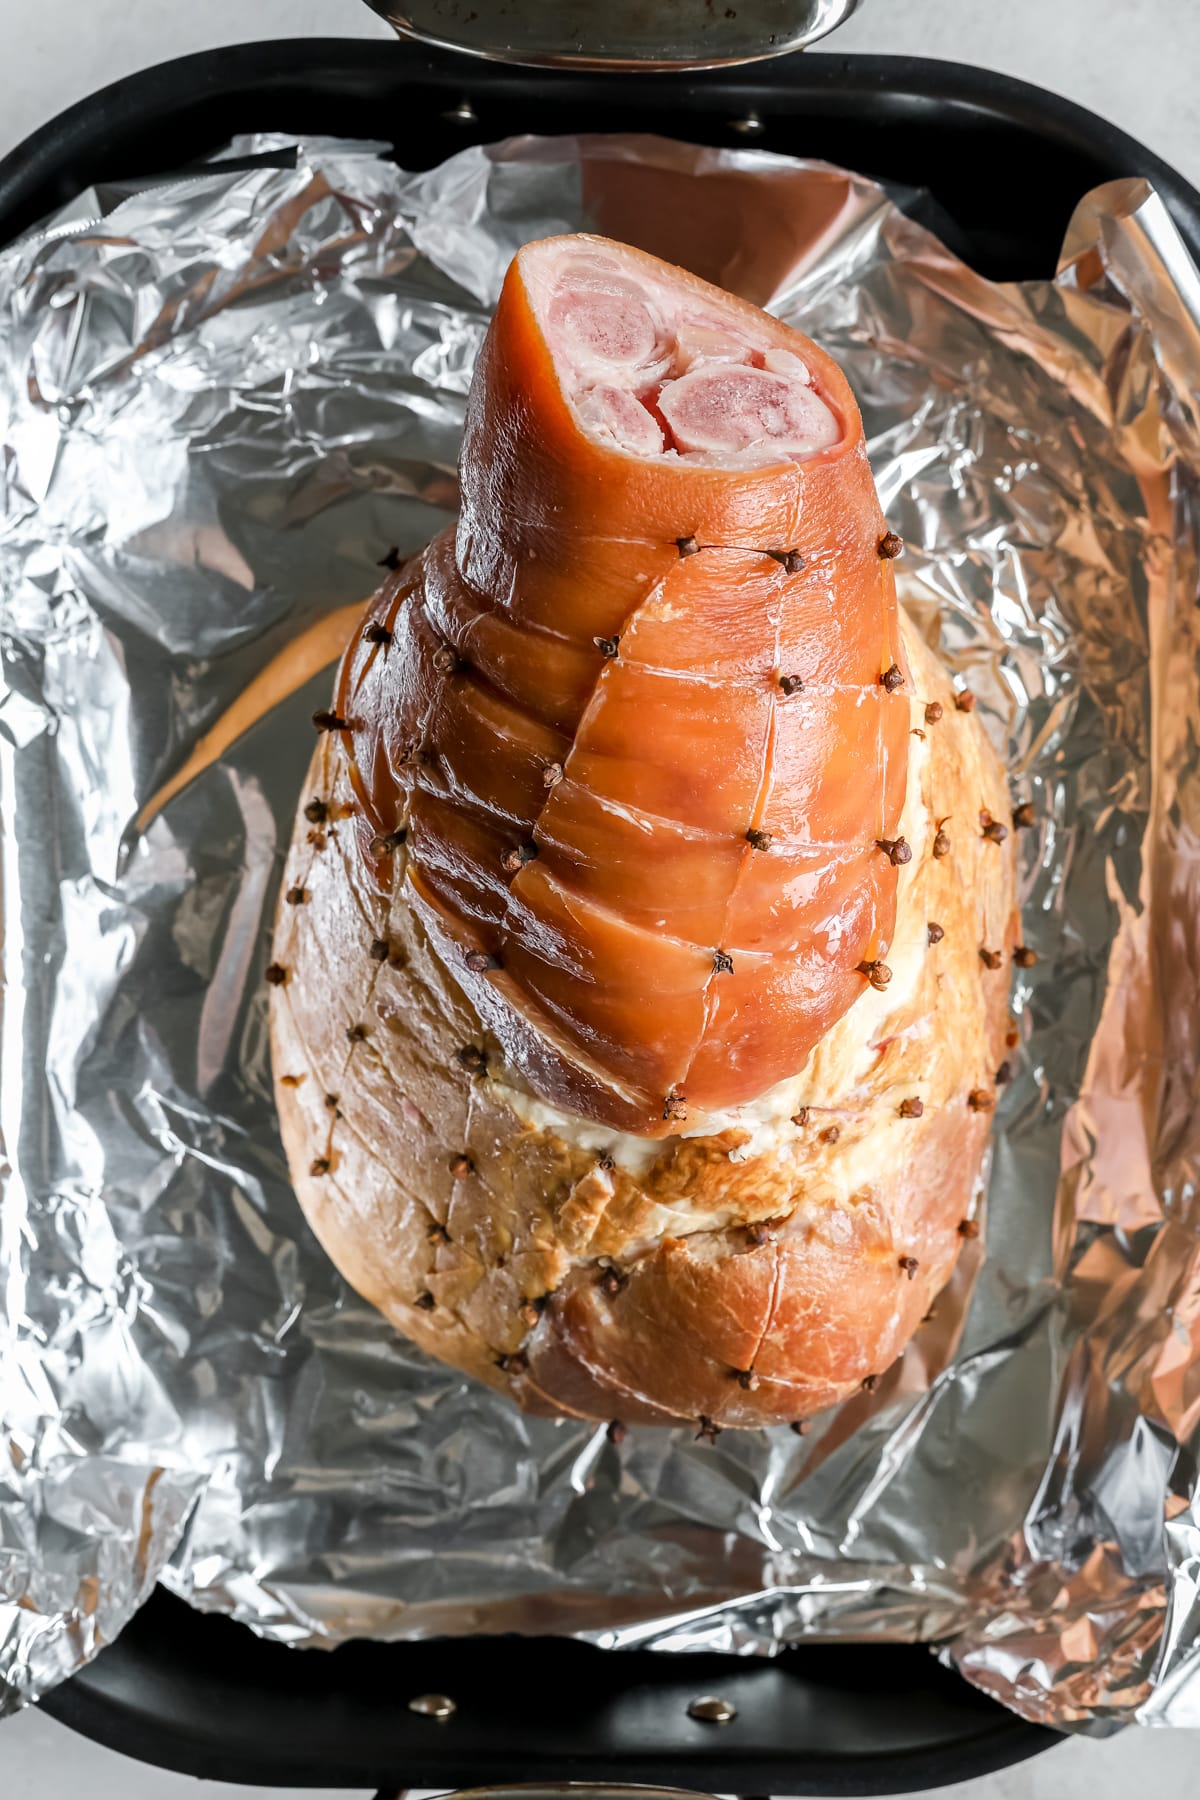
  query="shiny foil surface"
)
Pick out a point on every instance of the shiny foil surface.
point(223, 400)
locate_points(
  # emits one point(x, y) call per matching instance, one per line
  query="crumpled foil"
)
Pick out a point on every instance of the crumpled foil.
point(223, 400)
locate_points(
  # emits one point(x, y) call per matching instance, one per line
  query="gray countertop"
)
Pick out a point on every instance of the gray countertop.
point(1137, 63)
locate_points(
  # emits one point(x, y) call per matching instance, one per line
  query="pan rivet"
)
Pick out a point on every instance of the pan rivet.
point(710, 1709)
point(749, 125)
point(433, 1706)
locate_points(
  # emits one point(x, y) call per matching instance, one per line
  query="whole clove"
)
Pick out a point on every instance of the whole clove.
point(296, 896)
point(877, 973)
point(979, 1100)
point(675, 1107)
point(1023, 815)
point(991, 959)
point(968, 1228)
point(722, 963)
point(385, 842)
point(791, 560)
point(687, 546)
point(890, 546)
point(324, 720)
point(480, 962)
point(831, 1134)
point(461, 1166)
point(616, 1433)
point(892, 678)
point(392, 560)
point(708, 1432)
point(380, 950)
point(801, 1117)
point(747, 1379)
point(897, 850)
point(471, 1058)
point(320, 1165)
point(552, 774)
point(275, 974)
point(964, 700)
point(934, 932)
point(941, 843)
point(791, 684)
point(1003, 1073)
point(516, 859)
point(801, 1427)
point(376, 633)
point(607, 646)
point(516, 1364)
point(1024, 957)
point(759, 840)
point(870, 1383)
point(316, 812)
point(933, 712)
point(426, 1301)
point(912, 1108)
point(910, 1265)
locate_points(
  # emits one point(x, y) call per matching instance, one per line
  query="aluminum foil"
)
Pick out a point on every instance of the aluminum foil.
point(222, 401)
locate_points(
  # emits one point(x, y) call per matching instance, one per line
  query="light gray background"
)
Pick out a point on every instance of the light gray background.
point(1136, 62)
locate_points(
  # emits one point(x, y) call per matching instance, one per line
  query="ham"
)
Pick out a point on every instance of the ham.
point(645, 710)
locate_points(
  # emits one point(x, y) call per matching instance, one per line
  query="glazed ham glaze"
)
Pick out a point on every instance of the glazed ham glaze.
point(644, 712)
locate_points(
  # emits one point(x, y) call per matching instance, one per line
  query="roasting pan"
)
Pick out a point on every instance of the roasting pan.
point(996, 167)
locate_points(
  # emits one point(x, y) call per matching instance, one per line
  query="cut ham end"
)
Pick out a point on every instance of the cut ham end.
point(725, 409)
point(786, 362)
point(708, 341)
point(616, 414)
point(607, 330)
point(650, 373)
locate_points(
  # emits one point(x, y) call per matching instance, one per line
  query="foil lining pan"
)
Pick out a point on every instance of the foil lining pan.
point(223, 399)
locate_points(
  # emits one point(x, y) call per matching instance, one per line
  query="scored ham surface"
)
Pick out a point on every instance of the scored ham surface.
point(644, 711)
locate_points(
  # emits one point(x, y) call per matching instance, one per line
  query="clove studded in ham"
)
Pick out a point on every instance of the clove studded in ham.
point(644, 712)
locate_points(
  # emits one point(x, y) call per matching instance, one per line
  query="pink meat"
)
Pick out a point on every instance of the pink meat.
point(651, 380)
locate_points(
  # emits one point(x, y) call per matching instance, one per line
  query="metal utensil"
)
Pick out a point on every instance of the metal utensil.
point(621, 34)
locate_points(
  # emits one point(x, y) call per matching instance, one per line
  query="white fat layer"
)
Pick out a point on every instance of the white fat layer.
point(839, 1064)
